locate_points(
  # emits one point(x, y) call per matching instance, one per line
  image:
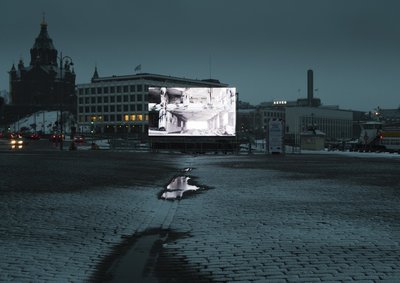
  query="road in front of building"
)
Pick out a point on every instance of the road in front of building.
point(86, 215)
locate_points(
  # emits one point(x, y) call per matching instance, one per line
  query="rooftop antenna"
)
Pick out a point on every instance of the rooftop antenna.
point(209, 64)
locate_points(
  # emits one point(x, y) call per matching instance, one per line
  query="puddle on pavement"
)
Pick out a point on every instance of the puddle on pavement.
point(133, 260)
point(181, 185)
point(144, 257)
point(177, 187)
point(138, 259)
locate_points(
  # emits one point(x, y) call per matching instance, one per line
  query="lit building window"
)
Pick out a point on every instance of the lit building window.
point(140, 117)
point(133, 117)
point(126, 117)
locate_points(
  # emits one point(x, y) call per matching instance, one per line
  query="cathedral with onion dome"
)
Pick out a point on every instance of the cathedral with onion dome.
point(47, 83)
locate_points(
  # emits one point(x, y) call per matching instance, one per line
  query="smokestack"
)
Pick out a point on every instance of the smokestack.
point(310, 87)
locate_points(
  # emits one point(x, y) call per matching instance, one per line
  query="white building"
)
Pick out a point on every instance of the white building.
point(335, 123)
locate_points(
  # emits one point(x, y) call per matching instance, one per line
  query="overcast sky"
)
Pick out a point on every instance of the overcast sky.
point(263, 48)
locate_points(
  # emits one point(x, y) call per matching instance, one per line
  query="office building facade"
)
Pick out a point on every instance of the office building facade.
point(119, 104)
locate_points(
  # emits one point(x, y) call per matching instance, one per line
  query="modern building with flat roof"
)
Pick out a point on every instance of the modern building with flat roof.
point(119, 104)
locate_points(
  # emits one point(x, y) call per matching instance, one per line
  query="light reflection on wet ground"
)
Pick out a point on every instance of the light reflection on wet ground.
point(177, 187)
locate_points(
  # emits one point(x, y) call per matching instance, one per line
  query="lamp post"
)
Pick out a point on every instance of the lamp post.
point(68, 62)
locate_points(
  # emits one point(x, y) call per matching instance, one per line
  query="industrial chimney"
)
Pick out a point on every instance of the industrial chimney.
point(310, 87)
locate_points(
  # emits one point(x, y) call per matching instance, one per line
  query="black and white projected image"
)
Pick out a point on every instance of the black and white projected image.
point(177, 111)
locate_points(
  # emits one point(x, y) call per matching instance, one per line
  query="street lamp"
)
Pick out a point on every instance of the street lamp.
point(68, 62)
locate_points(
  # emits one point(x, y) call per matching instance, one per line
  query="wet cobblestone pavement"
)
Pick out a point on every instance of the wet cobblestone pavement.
point(293, 218)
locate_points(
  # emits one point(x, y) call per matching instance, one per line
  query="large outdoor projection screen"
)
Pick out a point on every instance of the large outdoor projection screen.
point(177, 111)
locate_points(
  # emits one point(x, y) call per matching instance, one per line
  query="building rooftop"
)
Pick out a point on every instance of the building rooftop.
point(160, 78)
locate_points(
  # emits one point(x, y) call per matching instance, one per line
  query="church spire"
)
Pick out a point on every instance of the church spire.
point(43, 51)
point(43, 23)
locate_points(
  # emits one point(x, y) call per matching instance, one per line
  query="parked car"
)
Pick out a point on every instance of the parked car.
point(14, 136)
point(33, 136)
point(79, 139)
point(55, 138)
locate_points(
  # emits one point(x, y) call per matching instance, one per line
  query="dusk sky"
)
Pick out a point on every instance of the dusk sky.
point(263, 48)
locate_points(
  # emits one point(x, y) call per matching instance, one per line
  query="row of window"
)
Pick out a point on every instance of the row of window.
point(390, 141)
point(111, 108)
point(114, 117)
point(112, 99)
point(113, 89)
point(336, 128)
point(274, 114)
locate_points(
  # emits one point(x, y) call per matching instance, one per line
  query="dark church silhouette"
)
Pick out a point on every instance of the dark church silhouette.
point(48, 83)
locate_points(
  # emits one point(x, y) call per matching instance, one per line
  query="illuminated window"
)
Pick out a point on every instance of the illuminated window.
point(133, 117)
point(126, 117)
point(140, 117)
point(146, 117)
